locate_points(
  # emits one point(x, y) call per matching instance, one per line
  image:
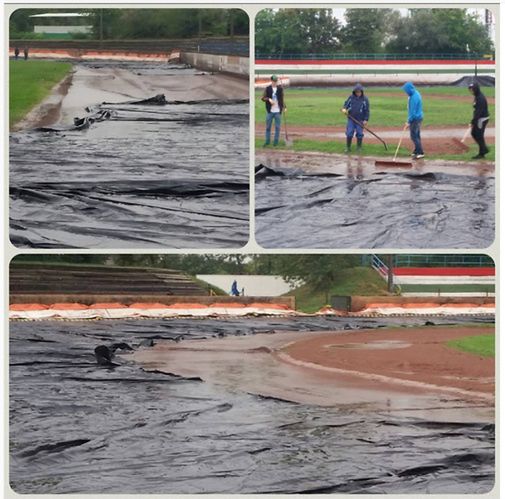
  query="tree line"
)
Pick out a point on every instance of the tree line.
point(116, 24)
point(370, 31)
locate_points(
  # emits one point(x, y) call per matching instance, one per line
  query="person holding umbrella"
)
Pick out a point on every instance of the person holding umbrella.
point(273, 97)
point(356, 106)
point(480, 119)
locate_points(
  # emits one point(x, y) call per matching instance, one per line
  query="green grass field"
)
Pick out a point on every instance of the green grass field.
point(388, 106)
point(30, 82)
point(354, 281)
point(483, 345)
point(338, 147)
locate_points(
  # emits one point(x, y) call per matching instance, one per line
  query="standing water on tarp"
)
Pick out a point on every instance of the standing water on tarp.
point(76, 427)
point(173, 175)
point(300, 209)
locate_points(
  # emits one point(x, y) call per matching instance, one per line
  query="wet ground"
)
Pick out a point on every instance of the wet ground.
point(329, 201)
point(76, 427)
point(173, 175)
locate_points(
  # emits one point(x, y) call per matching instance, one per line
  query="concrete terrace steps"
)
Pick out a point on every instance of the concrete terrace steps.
point(75, 279)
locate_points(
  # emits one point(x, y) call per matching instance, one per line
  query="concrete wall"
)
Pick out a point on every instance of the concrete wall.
point(254, 285)
point(217, 63)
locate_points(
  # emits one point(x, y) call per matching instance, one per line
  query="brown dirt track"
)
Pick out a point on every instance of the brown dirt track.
point(414, 354)
point(436, 140)
point(423, 377)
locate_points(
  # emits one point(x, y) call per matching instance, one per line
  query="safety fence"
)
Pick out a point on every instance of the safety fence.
point(353, 56)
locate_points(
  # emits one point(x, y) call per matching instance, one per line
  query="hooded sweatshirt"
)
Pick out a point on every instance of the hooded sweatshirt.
point(415, 105)
point(358, 107)
point(480, 110)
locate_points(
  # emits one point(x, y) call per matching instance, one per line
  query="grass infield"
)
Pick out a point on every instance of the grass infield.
point(483, 345)
point(442, 106)
point(30, 82)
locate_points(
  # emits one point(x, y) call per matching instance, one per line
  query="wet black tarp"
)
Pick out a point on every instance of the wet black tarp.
point(482, 80)
point(295, 209)
point(76, 427)
point(173, 176)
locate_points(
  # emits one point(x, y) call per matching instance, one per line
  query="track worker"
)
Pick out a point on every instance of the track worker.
point(273, 97)
point(356, 106)
point(415, 118)
point(480, 119)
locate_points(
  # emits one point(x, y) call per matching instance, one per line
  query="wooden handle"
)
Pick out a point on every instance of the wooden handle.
point(400, 141)
point(466, 134)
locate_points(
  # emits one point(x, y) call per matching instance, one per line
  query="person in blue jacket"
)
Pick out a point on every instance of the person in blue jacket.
point(357, 107)
point(415, 118)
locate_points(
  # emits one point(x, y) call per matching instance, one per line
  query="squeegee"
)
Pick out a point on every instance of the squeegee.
point(394, 162)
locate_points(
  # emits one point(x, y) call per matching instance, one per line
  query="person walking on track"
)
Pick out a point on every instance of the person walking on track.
point(480, 119)
point(415, 118)
point(273, 97)
point(356, 106)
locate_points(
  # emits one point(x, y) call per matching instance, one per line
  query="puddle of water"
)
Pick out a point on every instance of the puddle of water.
point(150, 176)
point(76, 427)
point(372, 345)
point(296, 209)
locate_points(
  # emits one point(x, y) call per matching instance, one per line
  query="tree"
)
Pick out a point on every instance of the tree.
point(319, 272)
point(296, 31)
point(366, 30)
point(440, 31)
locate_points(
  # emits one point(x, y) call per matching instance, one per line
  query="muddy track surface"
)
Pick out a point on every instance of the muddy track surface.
point(436, 140)
point(172, 175)
point(76, 427)
point(338, 202)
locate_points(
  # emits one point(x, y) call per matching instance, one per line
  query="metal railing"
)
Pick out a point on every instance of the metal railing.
point(442, 261)
point(429, 261)
point(379, 266)
point(376, 56)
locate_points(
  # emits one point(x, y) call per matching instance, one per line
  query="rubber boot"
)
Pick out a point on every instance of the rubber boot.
point(360, 143)
point(348, 146)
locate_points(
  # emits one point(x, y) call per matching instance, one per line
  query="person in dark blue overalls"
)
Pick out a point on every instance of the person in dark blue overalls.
point(234, 289)
point(358, 107)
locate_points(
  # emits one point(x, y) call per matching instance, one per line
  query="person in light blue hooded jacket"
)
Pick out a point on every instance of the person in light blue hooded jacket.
point(415, 118)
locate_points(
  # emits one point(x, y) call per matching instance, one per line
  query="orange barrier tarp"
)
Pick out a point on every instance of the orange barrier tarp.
point(107, 305)
point(68, 306)
point(27, 306)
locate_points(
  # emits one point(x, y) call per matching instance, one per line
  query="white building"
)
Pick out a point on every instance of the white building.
point(74, 24)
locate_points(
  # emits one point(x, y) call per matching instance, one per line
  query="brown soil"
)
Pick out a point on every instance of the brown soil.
point(414, 354)
point(436, 140)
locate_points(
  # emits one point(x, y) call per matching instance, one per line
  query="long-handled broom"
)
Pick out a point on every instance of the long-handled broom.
point(367, 129)
point(289, 142)
point(394, 162)
point(461, 143)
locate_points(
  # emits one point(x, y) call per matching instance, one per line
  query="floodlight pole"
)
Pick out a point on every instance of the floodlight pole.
point(101, 27)
point(390, 273)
